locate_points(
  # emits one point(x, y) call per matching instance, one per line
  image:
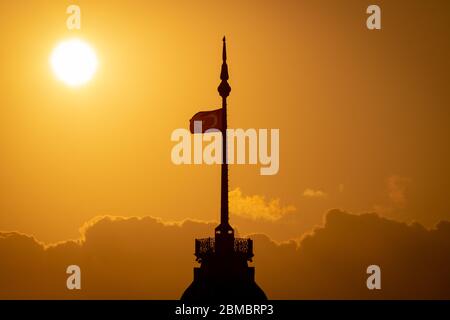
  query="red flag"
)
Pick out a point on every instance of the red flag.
point(209, 120)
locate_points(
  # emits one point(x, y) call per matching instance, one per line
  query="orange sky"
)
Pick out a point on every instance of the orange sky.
point(363, 115)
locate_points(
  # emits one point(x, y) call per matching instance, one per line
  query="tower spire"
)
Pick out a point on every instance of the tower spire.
point(224, 91)
point(224, 88)
point(224, 50)
point(224, 72)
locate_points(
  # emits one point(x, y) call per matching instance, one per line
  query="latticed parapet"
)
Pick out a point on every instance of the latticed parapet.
point(244, 246)
point(206, 247)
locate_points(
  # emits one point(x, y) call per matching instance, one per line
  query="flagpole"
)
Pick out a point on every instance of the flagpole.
point(224, 91)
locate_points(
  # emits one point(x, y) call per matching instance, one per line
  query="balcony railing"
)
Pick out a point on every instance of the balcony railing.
point(206, 247)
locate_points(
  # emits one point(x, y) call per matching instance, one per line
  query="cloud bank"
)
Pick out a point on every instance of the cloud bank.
point(147, 258)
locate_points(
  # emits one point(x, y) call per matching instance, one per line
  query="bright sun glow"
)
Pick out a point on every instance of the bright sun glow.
point(74, 62)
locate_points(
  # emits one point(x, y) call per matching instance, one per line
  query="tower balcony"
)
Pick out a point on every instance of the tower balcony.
point(206, 247)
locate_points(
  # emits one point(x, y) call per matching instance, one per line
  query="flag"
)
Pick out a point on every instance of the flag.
point(209, 120)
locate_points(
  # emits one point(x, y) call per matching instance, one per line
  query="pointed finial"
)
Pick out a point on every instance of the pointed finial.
point(224, 50)
point(224, 88)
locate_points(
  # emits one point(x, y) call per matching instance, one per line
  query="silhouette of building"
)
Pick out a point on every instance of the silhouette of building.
point(224, 273)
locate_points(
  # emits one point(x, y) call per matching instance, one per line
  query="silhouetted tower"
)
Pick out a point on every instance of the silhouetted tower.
point(224, 233)
point(224, 273)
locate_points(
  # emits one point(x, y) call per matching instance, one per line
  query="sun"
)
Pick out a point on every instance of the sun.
point(74, 62)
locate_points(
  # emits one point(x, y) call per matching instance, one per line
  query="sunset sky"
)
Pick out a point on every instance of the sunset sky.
point(363, 115)
point(86, 175)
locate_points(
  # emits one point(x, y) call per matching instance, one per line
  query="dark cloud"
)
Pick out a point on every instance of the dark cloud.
point(146, 258)
point(331, 262)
